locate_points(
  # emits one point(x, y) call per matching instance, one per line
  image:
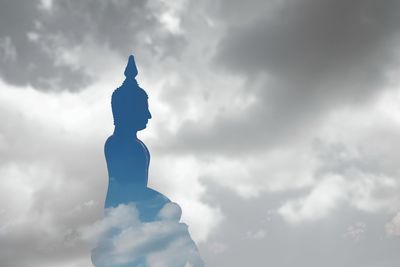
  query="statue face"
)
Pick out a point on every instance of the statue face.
point(141, 115)
point(130, 108)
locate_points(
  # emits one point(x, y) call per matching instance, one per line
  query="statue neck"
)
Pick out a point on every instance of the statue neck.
point(124, 132)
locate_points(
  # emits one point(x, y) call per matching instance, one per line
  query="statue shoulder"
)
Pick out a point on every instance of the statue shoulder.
point(113, 145)
point(110, 143)
point(121, 146)
point(146, 150)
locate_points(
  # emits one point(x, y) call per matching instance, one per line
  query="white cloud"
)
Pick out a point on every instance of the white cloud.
point(393, 227)
point(218, 247)
point(256, 235)
point(46, 4)
point(169, 14)
point(356, 231)
point(322, 199)
point(123, 239)
point(179, 178)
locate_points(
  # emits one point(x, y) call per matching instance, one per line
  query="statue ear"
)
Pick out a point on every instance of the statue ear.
point(131, 70)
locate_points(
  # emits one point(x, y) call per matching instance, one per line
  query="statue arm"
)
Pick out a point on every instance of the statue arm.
point(147, 152)
point(119, 163)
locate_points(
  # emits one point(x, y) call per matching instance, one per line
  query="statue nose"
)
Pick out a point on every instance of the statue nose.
point(149, 115)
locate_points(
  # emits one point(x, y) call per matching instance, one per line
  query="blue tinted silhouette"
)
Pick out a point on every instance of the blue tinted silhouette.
point(128, 162)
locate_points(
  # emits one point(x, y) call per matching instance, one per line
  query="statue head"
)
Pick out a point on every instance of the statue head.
point(129, 102)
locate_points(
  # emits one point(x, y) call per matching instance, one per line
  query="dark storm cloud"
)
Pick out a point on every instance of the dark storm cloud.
point(125, 26)
point(315, 40)
point(301, 59)
point(33, 38)
point(23, 61)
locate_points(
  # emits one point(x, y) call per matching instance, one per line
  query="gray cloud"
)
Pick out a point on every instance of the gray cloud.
point(301, 60)
point(44, 192)
point(326, 242)
point(34, 53)
point(314, 39)
point(256, 107)
point(39, 46)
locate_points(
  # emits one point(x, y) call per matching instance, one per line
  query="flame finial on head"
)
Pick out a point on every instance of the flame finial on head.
point(131, 70)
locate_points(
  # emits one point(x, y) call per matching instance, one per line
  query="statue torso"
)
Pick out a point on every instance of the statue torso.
point(127, 160)
point(127, 163)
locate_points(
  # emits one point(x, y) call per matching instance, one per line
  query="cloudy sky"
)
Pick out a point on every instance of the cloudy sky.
point(275, 125)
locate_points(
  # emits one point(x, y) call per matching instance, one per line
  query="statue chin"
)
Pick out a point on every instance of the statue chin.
point(141, 127)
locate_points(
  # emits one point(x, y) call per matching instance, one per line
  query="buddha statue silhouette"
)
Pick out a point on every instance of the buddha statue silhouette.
point(128, 162)
point(127, 157)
